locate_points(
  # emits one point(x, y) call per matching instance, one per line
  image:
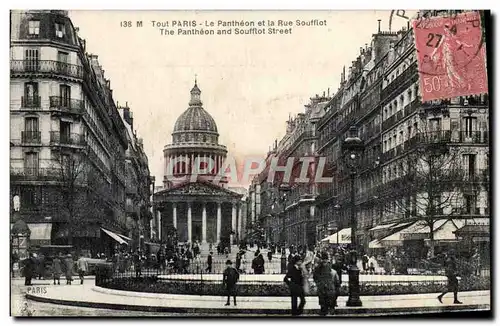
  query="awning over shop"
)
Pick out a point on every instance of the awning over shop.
point(344, 236)
point(383, 227)
point(420, 230)
point(40, 231)
point(476, 232)
point(125, 237)
point(115, 236)
point(375, 244)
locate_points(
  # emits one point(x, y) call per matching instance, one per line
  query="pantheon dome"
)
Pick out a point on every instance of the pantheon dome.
point(194, 136)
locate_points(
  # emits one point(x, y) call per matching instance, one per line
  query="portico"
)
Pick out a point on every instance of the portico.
point(200, 211)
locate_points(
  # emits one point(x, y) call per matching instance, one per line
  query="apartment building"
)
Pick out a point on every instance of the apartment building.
point(68, 141)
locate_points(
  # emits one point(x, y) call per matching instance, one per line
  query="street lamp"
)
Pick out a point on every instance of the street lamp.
point(281, 200)
point(352, 148)
point(337, 222)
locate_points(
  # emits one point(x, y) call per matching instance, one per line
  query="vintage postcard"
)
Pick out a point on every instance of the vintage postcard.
point(249, 163)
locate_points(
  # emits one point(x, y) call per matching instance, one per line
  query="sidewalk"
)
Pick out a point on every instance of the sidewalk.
point(88, 295)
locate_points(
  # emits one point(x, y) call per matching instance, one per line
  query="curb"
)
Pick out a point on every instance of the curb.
point(341, 311)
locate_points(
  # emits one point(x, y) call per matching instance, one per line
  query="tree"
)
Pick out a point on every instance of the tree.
point(428, 182)
point(81, 193)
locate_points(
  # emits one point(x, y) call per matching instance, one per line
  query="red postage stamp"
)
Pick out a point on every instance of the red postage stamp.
point(451, 56)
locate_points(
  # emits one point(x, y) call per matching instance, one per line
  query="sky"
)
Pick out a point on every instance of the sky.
point(250, 83)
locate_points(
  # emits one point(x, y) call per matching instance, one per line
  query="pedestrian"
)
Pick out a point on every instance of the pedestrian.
point(270, 255)
point(238, 261)
point(364, 262)
point(83, 267)
point(338, 266)
point(40, 266)
point(209, 263)
point(57, 269)
point(28, 269)
point(229, 280)
point(325, 278)
point(258, 264)
point(371, 264)
point(451, 274)
point(294, 278)
point(68, 266)
point(14, 259)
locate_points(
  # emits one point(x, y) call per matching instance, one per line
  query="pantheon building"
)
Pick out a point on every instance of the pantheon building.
point(198, 208)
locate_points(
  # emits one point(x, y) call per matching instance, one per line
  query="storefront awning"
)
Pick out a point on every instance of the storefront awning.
point(383, 227)
point(124, 237)
point(115, 236)
point(40, 231)
point(344, 236)
point(375, 244)
point(420, 230)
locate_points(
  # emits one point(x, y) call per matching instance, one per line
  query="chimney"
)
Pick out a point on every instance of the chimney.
point(323, 93)
point(379, 21)
point(328, 91)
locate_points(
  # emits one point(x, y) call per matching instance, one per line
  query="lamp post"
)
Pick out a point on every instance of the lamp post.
point(281, 200)
point(352, 148)
point(337, 222)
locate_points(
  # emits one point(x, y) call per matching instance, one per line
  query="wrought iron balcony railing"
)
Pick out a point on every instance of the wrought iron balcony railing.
point(36, 174)
point(31, 137)
point(69, 105)
point(46, 66)
point(58, 138)
point(30, 102)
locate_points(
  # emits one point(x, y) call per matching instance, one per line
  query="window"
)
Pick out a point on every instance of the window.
point(31, 124)
point(401, 137)
point(65, 95)
point(469, 125)
point(470, 164)
point(31, 163)
point(30, 196)
point(31, 95)
point(32, 60)
point(60, 30)
point(34, 27)
point(65, 132)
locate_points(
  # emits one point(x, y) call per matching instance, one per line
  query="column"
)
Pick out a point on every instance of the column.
point(190, 231)
point(192, 164)
point(240, 221)
point(233, 221)
point(158, 214)
point(204, 224)
point(174, 215)
point(219, 220)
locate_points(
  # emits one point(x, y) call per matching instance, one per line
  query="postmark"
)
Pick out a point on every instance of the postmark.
point(451, 56)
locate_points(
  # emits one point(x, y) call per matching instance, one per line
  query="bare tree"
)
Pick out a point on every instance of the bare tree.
point(427, 182)
point(80, 191)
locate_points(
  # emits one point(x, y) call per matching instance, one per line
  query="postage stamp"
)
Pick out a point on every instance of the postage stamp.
point(451, 56)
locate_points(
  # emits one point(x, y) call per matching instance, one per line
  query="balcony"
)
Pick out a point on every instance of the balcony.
point(31, 137)
point(389, 122)
point(72, 139)
point(46, 67)
point(475, 137)
point(36, 174)
point(31, 102)
point(67, 105)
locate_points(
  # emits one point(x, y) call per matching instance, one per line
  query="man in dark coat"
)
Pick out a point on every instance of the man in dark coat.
point(451, 274)
point(338, 266)
point(270, 255)
point(29, 269)
point(209, 263)
point(57, 269)
point(229, 280)
point(294, 278)
point(325, 278)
